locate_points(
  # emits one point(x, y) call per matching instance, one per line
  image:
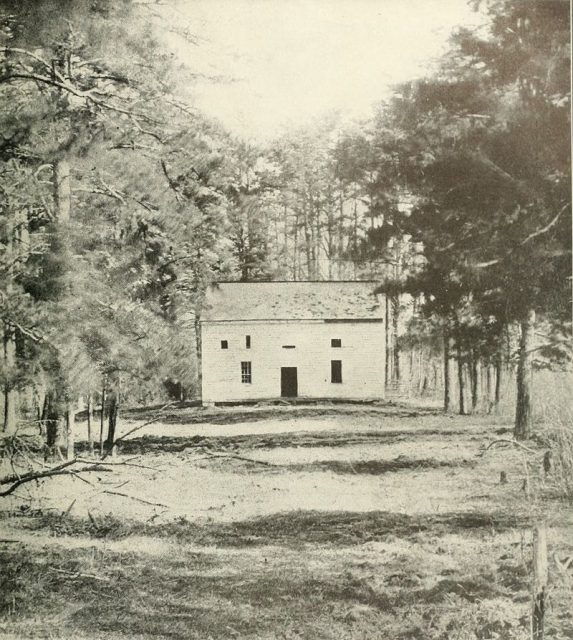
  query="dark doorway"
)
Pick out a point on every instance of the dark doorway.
point(289, 382)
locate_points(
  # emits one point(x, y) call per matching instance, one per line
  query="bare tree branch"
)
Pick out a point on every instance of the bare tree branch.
point(126, 495)
point(87, 95)
point(170, 181)
point(145, 424)
point(115, 194)
point(7, 51)
point(507, 441)
point(16, 480)
point(546, 228)
point(531, 236)
point(210, 456)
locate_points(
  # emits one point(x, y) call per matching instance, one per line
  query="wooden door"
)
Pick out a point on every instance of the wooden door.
point(289, 382)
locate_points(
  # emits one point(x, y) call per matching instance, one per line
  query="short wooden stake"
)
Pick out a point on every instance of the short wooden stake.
point(540, 574)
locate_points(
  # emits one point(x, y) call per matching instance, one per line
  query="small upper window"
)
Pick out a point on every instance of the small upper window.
point(224, 344)
point(289, 346)
point(336, 342)
point(246, 372)
point(248, 342)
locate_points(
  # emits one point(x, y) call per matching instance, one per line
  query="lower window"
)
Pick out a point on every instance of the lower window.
point(246, 372)
point(336, 371)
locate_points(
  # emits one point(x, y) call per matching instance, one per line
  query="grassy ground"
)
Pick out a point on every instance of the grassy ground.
point(303, 522)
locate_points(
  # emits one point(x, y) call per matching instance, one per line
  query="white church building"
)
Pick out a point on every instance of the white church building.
point(265, 340)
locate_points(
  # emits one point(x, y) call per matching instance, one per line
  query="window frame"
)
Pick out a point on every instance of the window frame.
point(246, 372)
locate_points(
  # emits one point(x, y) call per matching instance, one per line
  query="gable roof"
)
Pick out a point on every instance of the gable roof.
point(226, 301)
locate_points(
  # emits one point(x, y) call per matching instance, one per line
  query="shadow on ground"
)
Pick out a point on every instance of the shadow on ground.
point(291, 529)
point(377, 467)
point(242, 414)
point(170, 444)
point(205, 595)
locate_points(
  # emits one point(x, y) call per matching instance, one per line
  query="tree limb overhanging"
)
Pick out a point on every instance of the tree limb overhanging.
point(547, 227)
point(531, 236)
point(57, 80)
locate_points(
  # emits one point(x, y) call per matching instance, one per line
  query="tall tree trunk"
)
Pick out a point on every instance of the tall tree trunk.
point(199, 352)
point(474, 377)
point(39, 391)
point(286, 237)
point(395, 329)
point(89, 420)
point(62, 190)
point(317, 239)
point(295, 256)
point(461, 385)
point(307, 243)
point(340, 248)
point(10, 393)
point(422, 377)
point(498, 377)
point(44, 416)
point(112, 423)
point(9, 342)
point(102, 418)
point(387, 370)
point(58, 412)
point(371, 207)
point(54, 423)
point(524, 410)
point(355, 237)
point(412, 377)
point(331, 243)
point(489, 387)
point(70, 431)
point(447, 372)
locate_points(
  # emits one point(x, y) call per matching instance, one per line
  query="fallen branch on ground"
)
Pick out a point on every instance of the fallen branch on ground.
point(126, 495)
point(16, 480)
point(121, 463)
point(232, 455)
point(75, 574)
point(508, 441)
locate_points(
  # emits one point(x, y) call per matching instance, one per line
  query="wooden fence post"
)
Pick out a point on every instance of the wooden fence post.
point(540, 574)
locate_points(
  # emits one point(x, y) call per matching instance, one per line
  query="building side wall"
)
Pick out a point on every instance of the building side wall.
point(362, 355)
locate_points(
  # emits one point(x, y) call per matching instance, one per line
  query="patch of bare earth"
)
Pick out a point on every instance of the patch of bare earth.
point(351, 523)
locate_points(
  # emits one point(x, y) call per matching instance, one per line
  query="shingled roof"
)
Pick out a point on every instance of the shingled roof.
point(228, 301)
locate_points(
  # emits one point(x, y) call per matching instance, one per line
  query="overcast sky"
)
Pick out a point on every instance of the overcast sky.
point(288, 61)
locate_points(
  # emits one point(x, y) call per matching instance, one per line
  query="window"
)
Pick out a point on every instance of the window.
point(336, 342)
point(289, 346)
point(224, 344)
point(336, 371)
point(248, 342)
point(246, 372)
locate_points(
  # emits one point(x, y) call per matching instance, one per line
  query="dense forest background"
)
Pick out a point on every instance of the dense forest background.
point(121, 202)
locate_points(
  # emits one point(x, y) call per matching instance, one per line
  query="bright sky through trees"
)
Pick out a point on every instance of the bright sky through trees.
point(284, 62)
